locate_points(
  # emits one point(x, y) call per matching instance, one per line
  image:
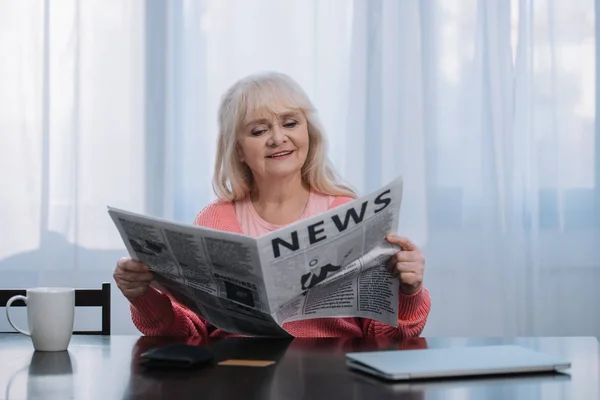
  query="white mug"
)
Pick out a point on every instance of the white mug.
point(50, 315)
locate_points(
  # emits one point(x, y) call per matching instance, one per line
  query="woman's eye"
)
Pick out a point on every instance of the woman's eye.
point(258, 132)
point(290, 124)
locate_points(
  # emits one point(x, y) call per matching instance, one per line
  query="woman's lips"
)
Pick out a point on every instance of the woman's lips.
point(280, 155)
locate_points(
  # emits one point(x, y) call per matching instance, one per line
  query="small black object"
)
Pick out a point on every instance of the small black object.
point(176, 356)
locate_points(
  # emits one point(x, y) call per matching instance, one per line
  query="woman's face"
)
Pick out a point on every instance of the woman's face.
point(274, 146)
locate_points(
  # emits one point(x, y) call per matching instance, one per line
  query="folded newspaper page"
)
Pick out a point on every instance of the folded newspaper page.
point(330, 265)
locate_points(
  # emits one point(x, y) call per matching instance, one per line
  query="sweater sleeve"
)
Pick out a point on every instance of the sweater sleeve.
point(413, 311)
point(158, 314)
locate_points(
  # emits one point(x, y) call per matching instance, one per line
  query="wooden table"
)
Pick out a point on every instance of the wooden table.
point(106, 367)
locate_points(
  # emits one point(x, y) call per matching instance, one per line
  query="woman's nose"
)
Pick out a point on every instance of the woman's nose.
point(277, 136)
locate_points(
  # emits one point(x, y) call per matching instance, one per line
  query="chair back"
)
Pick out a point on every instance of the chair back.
point(83, 298)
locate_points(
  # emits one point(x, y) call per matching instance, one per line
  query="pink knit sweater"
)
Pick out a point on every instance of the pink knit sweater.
point(158, 314)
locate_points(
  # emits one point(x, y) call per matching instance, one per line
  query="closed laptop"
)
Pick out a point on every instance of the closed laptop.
point(454, 362)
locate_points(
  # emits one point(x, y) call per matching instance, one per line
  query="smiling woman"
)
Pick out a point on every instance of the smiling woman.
point(274, 146)
point(270, 113)
point(272, 170)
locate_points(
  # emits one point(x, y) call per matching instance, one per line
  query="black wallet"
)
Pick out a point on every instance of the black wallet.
point(176, 356)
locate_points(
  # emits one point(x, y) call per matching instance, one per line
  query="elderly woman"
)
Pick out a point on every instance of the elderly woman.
point(271, 170)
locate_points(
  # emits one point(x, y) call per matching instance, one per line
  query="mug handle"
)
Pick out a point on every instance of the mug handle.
point(7, 306)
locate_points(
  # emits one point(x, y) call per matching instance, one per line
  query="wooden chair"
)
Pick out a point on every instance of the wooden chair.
point(83, 298)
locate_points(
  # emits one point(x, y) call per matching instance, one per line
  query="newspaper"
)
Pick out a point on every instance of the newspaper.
point(330, 265)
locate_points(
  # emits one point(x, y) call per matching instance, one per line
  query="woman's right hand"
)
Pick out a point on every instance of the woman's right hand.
point(132, 278)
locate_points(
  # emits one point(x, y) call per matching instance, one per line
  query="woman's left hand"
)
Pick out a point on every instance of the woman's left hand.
point(406, 265)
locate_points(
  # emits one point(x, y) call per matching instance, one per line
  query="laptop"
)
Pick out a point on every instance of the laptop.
point(396, 365)
point(379, 386)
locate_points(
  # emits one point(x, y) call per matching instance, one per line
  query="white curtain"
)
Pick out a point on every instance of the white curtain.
point(487, 108)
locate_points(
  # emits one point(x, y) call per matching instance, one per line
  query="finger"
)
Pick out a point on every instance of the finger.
point(129, 289)
point(134, 293)
point(403, 242)
point(124, 284)
point(134, 266)
point(407, 267)
point(128, 264)
point(407, 256)
point(410, 278)
point(136, 276)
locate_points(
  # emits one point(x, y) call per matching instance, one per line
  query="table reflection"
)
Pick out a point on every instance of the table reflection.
point(214, 381)
point(49, 376)
point(298, 372)
point(109, 368)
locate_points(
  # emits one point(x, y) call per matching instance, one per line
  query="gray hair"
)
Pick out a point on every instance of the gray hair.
point(274, 92)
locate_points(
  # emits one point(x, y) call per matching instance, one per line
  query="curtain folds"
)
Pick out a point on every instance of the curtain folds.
point(487, 108)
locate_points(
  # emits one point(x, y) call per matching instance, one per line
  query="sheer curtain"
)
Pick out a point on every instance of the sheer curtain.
point(487, 108)
point(72, 138)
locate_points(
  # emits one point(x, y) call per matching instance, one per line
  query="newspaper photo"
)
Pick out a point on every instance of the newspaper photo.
point(330, 265)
